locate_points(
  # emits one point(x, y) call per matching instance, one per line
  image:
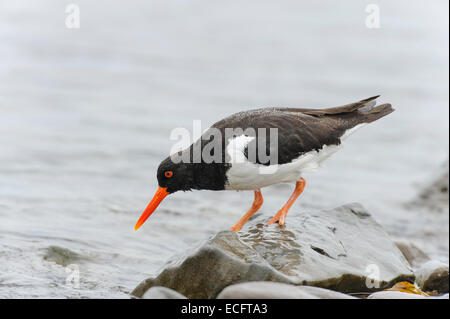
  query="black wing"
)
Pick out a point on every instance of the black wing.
point(299, 130)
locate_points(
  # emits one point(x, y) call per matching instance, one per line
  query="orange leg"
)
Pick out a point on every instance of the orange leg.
point(281, 215)
point(257, 203)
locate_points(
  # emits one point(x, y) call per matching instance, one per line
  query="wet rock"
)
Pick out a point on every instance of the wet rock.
point(433, 276)
point(61, 256)
point(413, 254)
point(343, 249)
point(275, 290)
point(159, 292)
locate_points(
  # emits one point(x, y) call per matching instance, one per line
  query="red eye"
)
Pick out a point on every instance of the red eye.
point(168, 174)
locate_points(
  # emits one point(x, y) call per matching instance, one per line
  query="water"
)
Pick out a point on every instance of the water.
point(85, 118)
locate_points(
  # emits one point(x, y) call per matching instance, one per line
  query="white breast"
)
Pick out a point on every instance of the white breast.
point(244, 175)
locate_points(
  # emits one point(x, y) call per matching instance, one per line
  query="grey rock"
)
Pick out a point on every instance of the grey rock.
point(339, 249)
point(433, 276)
point(159, 292)
point(435, 196)
point(394, 295)
point(276, 290)
point(62, 256)
point(413, 254)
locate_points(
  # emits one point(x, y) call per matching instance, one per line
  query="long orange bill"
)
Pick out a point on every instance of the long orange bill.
point(159, 196)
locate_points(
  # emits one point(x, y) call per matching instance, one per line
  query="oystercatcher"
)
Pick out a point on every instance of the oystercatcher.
point(236, 153)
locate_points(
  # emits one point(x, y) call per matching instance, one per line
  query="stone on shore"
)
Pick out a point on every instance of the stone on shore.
point(413, 254)
point(402, 295)
point(159, 292)
point(433, 276)
point(395, 295)
point(276, 290)
point(343, 249)
point(435, 196)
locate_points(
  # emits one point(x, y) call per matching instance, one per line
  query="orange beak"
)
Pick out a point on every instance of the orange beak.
point(159, 196)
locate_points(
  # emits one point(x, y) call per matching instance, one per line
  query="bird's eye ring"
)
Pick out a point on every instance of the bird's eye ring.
point(168, 174)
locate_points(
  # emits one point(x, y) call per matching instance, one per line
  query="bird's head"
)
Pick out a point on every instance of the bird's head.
point(172, 177)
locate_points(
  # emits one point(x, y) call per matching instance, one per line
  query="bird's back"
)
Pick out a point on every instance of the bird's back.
point(301, 130)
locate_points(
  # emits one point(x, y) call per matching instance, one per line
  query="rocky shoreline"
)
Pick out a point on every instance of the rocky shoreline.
point(341, 253)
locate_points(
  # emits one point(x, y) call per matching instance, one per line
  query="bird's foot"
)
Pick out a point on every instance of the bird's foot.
point(279, 218)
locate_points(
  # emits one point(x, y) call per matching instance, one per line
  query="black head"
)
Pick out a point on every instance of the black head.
point(175, 176)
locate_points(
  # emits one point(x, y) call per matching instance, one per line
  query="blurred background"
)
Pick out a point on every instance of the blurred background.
point(86, 114)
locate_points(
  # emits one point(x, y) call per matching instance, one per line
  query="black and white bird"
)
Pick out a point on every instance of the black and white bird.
point(239, 161)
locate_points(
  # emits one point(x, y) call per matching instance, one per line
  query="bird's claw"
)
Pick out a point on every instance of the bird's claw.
point(278, 218)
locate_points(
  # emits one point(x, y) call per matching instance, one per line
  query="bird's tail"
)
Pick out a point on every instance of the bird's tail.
point(374, 113)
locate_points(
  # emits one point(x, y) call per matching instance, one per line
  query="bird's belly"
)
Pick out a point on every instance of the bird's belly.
point(245, 175)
